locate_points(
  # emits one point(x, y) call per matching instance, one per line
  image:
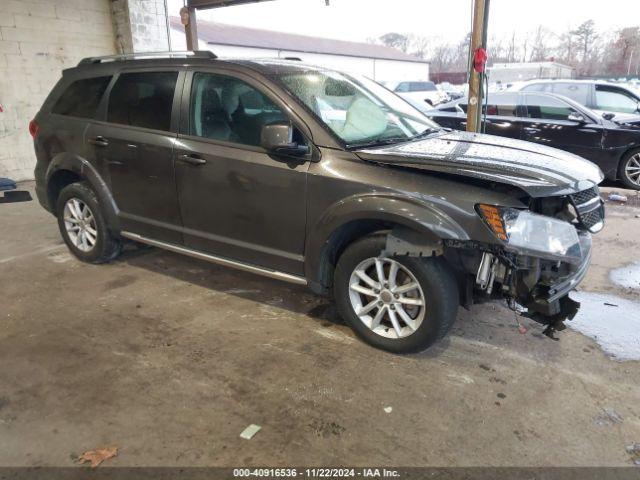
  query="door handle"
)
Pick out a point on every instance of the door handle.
point(99, 141)
point(531, 130)
point(192, 159)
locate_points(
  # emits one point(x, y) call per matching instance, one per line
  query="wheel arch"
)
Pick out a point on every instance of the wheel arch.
point(354, 218)
point(66, 169)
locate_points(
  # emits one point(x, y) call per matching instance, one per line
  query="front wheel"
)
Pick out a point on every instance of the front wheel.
point(399, 304)
point(630, 170)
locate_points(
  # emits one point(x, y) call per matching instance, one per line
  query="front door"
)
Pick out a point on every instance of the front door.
point(135, 147)
point(236, 200)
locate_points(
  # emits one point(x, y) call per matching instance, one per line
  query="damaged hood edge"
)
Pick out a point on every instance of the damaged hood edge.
point(538, 170)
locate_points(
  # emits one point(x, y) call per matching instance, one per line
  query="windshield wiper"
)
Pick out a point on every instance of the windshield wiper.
point(378, 143)
point(425, 133)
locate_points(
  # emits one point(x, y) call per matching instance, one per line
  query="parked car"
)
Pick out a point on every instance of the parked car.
point(605, 98)
point(318, 178)
point(454, 92)
point(558, 122)
point(421, 95)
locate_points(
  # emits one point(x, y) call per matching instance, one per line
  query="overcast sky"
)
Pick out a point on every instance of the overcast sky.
point(450, 19)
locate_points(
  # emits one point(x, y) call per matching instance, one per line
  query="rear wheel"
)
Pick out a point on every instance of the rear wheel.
point(400, 304)
point(630, 170)
point(83, 226)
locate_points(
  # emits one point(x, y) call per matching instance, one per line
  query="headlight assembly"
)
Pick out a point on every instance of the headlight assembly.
point(533, 234)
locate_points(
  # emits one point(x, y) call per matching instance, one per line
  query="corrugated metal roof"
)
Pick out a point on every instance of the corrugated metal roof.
point(222, 34)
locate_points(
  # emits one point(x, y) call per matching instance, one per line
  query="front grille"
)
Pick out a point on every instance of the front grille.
point(589, 208)
point(584, 196)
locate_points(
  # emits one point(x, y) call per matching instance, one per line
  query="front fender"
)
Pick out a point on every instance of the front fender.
point(425, 217)
point(86, 171)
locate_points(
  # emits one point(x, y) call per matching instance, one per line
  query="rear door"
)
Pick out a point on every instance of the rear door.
point(548, 122)
point(238, 201)
point(135, 142)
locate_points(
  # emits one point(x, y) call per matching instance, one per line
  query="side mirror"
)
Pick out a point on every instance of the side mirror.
point(608, 115)
point(277, 138)
point(576, 117)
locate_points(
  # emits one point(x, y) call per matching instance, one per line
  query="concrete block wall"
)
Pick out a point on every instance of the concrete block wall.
point(37, 40)
point(140, 25)
point(40, 38)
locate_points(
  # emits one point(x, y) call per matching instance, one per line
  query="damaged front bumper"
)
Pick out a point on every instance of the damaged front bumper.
point(549, 302)
point(537, 288)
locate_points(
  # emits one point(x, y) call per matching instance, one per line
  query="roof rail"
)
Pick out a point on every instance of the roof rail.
point(142, 55)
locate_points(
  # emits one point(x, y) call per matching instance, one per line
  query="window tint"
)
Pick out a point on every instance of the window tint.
point(225, 108)
point(578, 92)
point(504, 105)
point(548, 108)
point(143, 99)
point(615, 100)
point(82, 97)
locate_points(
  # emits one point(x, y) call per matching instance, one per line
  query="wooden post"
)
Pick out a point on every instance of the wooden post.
point(478, 40)
point(188, 19)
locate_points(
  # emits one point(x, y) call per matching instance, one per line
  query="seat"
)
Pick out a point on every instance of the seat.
point(214, 121)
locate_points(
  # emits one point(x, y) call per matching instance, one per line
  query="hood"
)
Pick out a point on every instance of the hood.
point(536, 169)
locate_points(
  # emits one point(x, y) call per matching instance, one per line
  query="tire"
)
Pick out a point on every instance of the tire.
point(437, 288)
point(100, 245)
point(630, 161)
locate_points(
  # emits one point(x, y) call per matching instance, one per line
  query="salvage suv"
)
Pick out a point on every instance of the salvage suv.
point(318, 178)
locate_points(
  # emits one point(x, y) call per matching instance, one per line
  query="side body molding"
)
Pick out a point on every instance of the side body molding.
point(84, 169)
point(426, 218)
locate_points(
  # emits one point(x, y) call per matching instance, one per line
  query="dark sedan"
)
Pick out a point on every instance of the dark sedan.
point(558, 122)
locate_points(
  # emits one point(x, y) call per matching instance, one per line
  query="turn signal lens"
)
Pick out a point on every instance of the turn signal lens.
point(493, 217)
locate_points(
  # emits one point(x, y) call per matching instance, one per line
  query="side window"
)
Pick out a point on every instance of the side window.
point(143, 99)
point(578, 92)
point(423, 87)
point(547, 108)
point(503, 105)
point(228, 109)
point(82, 97)
point(402, 87)
point(536, 87)
point(615, 100)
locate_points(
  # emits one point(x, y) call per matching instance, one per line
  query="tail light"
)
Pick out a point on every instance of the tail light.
point(33, 128)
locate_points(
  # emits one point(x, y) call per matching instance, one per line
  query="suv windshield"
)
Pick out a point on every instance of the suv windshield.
point(358, 110)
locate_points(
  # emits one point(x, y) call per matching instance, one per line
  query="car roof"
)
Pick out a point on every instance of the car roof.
point(570, 80)
point(266, 66)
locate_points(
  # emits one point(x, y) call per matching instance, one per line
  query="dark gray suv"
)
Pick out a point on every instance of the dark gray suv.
point(318, 178)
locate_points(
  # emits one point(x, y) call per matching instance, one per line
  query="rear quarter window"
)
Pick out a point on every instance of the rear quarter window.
point(82, 97)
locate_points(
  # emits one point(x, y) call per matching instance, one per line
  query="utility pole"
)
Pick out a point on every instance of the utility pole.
point(188, 19)
point(476, 65)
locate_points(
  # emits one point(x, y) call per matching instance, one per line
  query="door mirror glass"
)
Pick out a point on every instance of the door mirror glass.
point(278, 138)
point(576, 117)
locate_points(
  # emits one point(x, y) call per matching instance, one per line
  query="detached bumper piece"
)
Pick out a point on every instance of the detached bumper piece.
point(10, 194)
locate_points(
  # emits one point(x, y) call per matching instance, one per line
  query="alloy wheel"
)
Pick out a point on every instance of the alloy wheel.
point(80, 224)
point(632, 169)
point(387, 297)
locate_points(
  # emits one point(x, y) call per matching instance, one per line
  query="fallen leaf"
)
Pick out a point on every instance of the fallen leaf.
point(99, 455)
